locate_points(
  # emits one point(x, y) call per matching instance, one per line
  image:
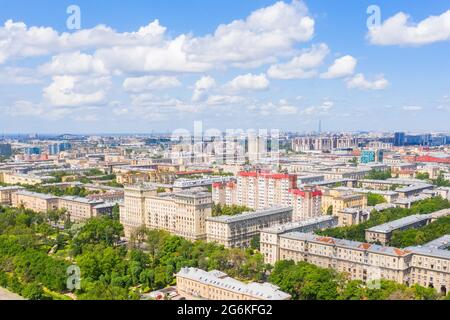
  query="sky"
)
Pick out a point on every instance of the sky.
point(157, 66)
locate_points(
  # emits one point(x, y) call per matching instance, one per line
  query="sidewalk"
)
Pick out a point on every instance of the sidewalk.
point(8, 295)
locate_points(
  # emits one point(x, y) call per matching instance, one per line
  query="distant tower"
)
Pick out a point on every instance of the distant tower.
point(320, 126)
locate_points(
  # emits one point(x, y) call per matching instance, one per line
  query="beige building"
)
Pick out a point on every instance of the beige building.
point(270, 237)
point(79, 209)
point(195, 283)
point(6, 194)
point(180, 213)
point(340, 200)
point(133, 210)
point(238, 231)
point(20, 178)
point(427, 265)
point(34, 201)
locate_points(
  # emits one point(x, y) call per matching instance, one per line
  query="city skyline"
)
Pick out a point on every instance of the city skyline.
point(145, 67)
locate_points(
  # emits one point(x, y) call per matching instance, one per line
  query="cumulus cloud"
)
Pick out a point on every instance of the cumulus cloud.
point(141, 84)
point(301, 66)
point(264, 35)
point(202, 87)
point(248, 82)
point(342, 67)
point(399, 30)
point(73, 91)
point(74, 63)
point(359, 82)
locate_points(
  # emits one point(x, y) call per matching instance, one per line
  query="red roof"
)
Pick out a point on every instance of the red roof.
point(432, 159)
point(299, 192)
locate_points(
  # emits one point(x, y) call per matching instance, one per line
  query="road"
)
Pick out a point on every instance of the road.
point(8, 295)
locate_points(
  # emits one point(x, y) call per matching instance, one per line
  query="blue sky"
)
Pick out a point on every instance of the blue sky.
point(161, 65)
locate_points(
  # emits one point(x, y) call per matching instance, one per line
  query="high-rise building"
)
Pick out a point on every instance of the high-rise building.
point(262, 190)
point(5, 150)
point(306, 203)
point(32, 150)
point(399, 139)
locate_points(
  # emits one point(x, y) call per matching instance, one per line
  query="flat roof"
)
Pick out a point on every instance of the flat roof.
point(400, 223)
point(250, 215)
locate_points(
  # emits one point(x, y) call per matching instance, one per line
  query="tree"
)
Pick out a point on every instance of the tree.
point(255, 242)
point(330, 210)
point(374, 199)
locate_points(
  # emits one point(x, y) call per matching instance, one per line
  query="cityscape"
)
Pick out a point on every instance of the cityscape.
point(263, 153)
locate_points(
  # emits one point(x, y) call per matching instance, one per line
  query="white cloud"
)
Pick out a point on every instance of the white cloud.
point(20, 76)
point(412, 108)
point(399, 30)
point(267, 32)
point(141, 84)
point(248, 82)
point(74, 63)
point(202, 87)
point(342, 67)
point(324, 108)
point(359, 82)
point(216, 100)
point(265, 35)
point(300, 67)
point(71, 91)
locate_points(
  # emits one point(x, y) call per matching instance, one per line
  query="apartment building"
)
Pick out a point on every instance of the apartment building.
point(306, 203)
point(360, 261)
point(430, 265)
point(34, 201)
point(261, 190)
point(14, 178)
point(193, 283)
point(340, 200)
point(238, 231)
point(79, 209)
point(6, 194)
point(181, 213)
point(426, 265)
point(133, 210)
point(270, 237)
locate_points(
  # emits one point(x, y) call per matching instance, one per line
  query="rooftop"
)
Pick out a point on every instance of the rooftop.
point(264, 291)
point(250, 215)
point(400, 223)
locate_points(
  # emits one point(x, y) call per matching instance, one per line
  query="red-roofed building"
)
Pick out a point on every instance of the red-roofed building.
point(307, 203)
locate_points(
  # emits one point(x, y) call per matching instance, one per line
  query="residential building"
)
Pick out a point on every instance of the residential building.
point(269, 239)
point(306, 203)
point(239, 230)
point(195, 283)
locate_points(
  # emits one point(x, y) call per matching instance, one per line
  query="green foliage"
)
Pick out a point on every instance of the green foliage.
point(423, 176)
point(224, 210)
point(379, 175)
point(441, 182)
point(374, 199)
point(102, 230)
point(357, 232)
point(420, 236)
